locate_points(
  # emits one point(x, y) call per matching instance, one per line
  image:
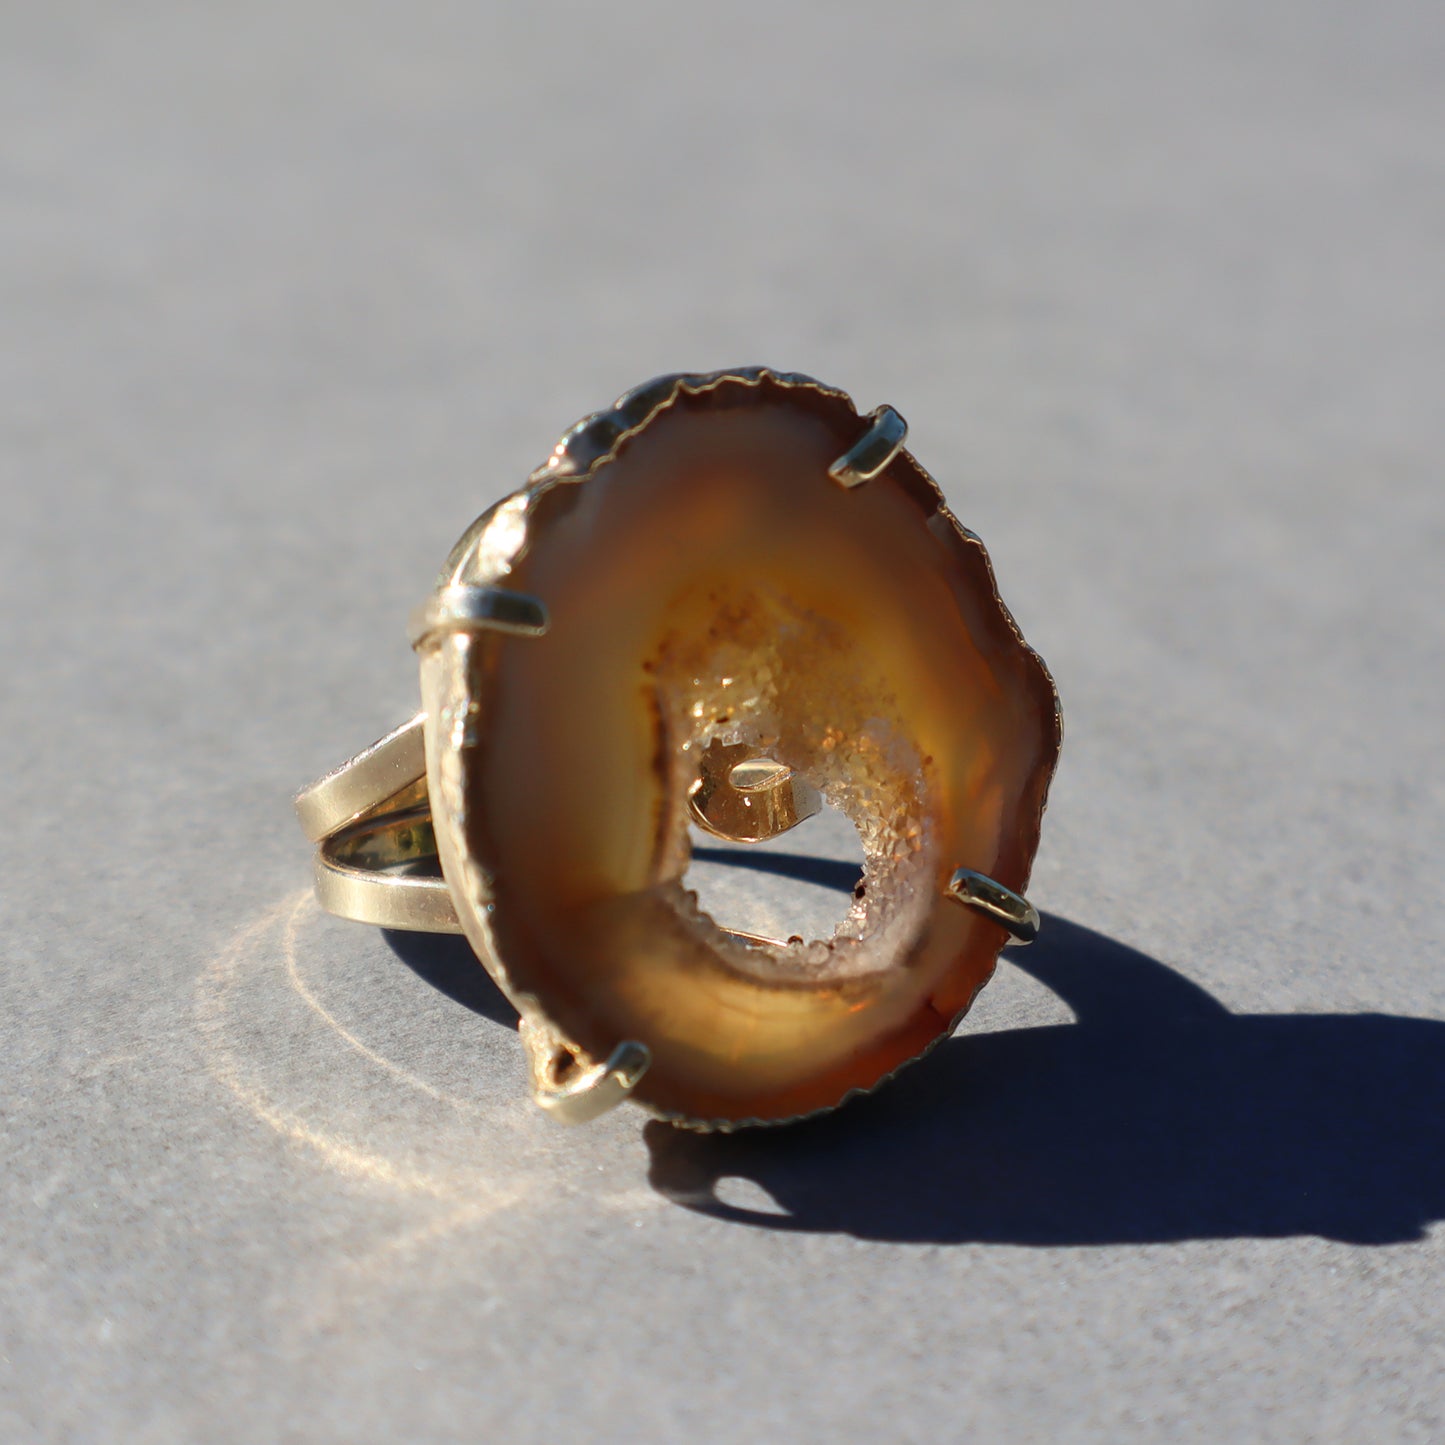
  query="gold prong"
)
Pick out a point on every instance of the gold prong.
point(459, 608)
point(873, 450)
point(569, 1088)
point(993, 900)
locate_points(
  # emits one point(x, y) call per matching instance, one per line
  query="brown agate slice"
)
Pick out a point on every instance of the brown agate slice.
point(709, 586)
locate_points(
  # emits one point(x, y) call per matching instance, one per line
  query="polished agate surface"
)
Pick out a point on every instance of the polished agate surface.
point(708, 584)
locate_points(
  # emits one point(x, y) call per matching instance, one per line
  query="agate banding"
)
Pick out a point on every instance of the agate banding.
point(708, 585)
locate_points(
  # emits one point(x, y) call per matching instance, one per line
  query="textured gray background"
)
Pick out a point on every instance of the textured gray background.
point(289, 292)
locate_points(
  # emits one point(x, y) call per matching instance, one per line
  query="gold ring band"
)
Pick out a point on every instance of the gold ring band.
point(386, 777)
point(362, 874)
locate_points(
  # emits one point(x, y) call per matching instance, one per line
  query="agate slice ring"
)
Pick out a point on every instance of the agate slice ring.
point(724, 600)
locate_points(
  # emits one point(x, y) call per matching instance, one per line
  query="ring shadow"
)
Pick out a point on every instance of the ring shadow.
point(447, 963)
point(1157, 1116)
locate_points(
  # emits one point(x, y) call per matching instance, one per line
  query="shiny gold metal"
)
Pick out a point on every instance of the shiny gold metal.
point(873, 451)
point(460, 608)
point(743, 796)
point(372, 872)
point(993, 900)
point(386, 777)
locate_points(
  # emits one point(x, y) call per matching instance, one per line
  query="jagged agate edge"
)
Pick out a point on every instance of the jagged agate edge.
point(583, 450)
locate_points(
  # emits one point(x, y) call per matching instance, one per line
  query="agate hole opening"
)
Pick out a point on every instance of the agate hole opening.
point(799, 887)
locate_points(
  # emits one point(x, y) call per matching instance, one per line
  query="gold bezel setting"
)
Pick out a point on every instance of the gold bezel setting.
point(485, 559)
point(459, 633)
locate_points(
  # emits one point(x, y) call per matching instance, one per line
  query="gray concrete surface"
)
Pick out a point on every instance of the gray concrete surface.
point(290, 292)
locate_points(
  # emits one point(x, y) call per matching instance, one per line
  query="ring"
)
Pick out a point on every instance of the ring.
point(721, 604)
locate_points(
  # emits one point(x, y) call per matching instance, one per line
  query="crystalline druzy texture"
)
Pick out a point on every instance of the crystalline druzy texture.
point(709, 581)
